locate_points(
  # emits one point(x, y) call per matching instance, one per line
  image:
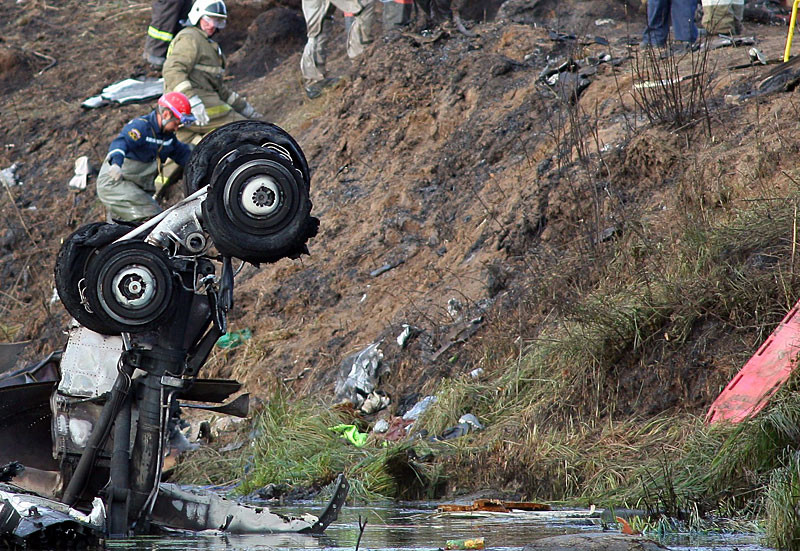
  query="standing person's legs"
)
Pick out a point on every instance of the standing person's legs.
point(683, 25)
point(359, 35)
point(658, 18)
point(396, 14)
point(312, 63)
point(441, 10)
point(163, 24)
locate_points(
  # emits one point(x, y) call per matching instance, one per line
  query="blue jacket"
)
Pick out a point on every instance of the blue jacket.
point(142, 140)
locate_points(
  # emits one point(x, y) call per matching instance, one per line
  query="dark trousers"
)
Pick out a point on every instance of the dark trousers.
point(437, 9)
point(660, 13)
point(164, 23)
point(397, 14)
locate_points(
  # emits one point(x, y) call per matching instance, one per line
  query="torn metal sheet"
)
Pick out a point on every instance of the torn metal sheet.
point(199, 510)
point(130, 90)
point(25, 410)
point(29, 521)
point(9, 353)
point(43, 371)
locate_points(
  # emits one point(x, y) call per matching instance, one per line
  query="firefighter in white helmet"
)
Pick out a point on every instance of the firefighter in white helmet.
point(195, 67)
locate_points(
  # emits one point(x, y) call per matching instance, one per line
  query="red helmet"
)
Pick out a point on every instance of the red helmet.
point(178, 104)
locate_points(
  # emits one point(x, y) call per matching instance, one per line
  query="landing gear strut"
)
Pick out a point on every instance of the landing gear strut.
point(162, 290)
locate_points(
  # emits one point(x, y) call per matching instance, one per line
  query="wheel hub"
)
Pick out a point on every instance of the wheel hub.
point(134, 286)
point(260, 196)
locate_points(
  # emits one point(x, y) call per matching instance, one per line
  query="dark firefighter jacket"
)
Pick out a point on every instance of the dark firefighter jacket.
point(142, 140)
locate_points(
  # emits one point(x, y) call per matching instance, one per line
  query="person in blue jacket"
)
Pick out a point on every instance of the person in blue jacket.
point(126, 181)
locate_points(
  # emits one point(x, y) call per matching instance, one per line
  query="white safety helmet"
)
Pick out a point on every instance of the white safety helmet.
point(211, 8)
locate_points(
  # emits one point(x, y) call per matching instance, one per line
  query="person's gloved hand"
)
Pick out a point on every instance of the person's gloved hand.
point(115, 172)
point(199, 110)
point(250, 112)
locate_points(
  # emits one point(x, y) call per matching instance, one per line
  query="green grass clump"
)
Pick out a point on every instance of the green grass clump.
point(295, 446)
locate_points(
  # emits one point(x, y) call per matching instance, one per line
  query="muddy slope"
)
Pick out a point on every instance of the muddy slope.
point(445, 174)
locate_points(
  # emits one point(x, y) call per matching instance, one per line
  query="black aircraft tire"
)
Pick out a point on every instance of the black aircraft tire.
point(70, 269)
point(258, 208)
point(219, 143)
point(130, 286)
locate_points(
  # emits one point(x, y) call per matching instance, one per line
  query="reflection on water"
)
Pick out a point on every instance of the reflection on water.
point(391, 527)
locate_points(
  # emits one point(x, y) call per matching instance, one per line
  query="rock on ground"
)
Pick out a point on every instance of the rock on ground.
point(598, 542)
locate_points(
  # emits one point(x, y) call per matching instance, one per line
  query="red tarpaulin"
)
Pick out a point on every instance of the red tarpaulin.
point(762, 375)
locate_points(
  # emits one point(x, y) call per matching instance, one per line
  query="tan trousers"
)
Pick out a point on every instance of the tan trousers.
point(312, 63)
point(723, 16)
point(130, 199)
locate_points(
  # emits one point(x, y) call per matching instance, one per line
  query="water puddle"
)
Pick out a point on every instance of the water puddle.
point(419, 528)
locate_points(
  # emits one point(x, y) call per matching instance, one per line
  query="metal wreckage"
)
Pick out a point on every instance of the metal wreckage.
point(81, 454)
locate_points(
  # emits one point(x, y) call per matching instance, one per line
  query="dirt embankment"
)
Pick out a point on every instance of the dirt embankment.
point(446, 175)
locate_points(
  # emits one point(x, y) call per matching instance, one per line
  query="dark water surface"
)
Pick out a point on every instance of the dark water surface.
point(392, 527)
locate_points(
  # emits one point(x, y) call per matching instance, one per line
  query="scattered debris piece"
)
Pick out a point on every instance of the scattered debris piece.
point(232, 339)
point(756, 56)
point(664, 82)
point(126, 91)
point(409, 331)
point(386, 267)
point(351, 434)
point(494, 506)
point(381, 426)
point(601, 22)
point(398, 429)
point(8, 176)
point(419, 408)
point(78, 181)
point(561, 37)
point(761, 377)
point(375, 402)
point(360, 374)
point(476, 373)
point(467, 423)
point(626, 528)
point(727, 41)
point(475, 543)
point(458, 334)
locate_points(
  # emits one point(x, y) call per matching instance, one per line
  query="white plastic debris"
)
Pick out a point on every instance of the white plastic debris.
point(475, 373)
point(471, 420)
point(381, 426)
point(360, 374)
point(125, 91)
point(374, 402)
point(408, 332)
point(95, 518)
point(601, 22)
point(81, 173)
point(54, 298)
point(420, 407)
point(8, 176)
point(454, 308)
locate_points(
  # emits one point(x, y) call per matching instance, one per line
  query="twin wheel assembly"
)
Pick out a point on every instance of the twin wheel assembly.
point(256, 208)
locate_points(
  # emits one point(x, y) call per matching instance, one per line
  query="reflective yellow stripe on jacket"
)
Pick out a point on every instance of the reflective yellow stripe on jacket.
point(159, 35)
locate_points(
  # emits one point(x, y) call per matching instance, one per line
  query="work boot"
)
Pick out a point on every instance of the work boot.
point(314, 90)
